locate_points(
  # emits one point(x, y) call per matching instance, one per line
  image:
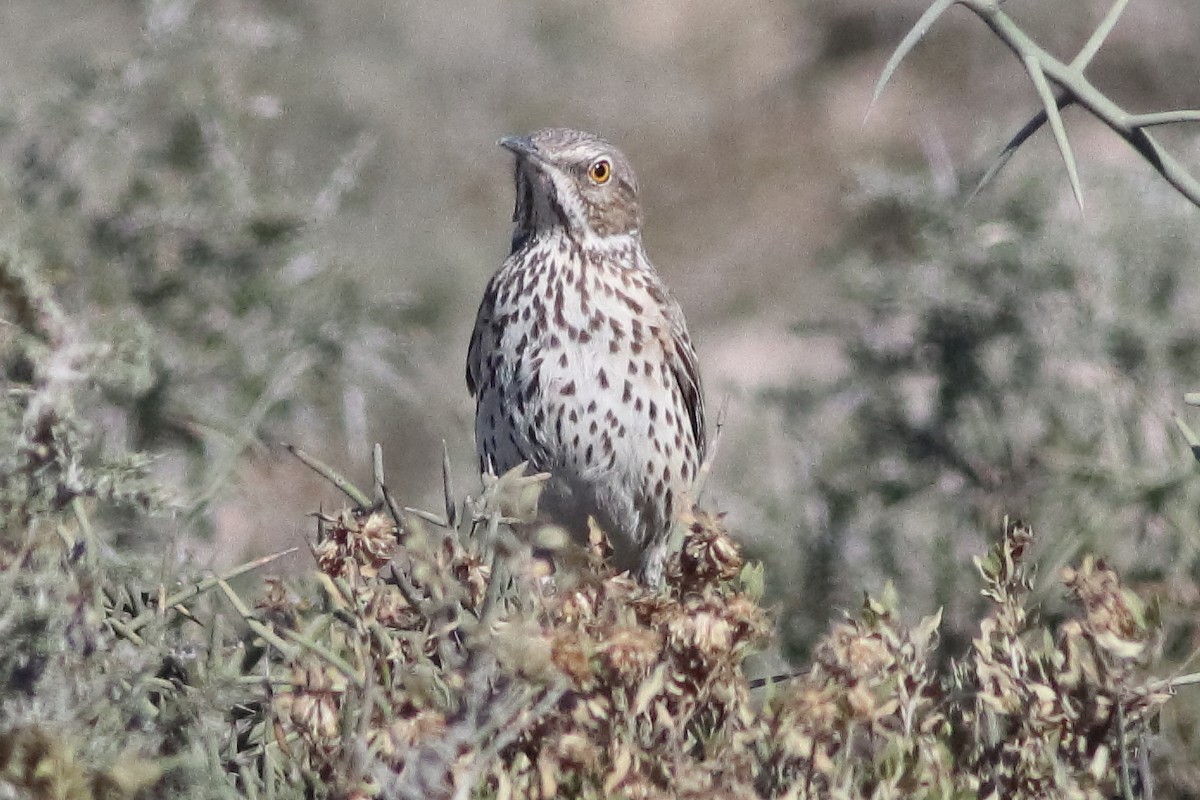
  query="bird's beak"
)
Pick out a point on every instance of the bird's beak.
point(522, 147)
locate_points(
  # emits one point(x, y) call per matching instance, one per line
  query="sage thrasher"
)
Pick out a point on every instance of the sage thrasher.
point(580, 361)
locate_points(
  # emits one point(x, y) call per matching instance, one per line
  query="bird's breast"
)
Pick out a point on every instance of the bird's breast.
point(586, 380)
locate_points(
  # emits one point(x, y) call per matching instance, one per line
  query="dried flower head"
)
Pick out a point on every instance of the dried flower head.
point(356, 542)
point(313, 704)
point(709, 553)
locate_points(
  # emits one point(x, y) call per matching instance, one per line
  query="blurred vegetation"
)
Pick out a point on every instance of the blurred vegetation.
point(203, 317)
point(1005, 359)
point(171, 299)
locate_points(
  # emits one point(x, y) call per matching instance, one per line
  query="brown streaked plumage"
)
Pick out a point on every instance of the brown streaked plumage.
point(580, 361)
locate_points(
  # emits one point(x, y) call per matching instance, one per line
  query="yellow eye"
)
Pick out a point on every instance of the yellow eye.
point(600, 171)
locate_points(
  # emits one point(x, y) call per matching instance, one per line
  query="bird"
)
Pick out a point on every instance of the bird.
point(580, 361)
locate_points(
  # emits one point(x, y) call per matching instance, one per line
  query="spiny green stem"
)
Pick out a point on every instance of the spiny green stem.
point(328, 473)
point(200, 587)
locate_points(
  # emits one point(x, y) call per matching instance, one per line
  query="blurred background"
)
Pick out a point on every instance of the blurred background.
point(279, 217)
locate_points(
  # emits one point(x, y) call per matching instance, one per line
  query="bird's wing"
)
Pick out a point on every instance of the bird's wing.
point(686, 369)
point(482, 329)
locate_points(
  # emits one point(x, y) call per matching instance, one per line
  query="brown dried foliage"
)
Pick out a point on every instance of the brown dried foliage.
point(451, 666)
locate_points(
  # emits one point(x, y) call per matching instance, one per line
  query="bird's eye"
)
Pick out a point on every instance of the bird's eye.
point(600, 171)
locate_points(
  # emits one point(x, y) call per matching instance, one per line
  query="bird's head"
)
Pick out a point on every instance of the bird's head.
point(573, 181)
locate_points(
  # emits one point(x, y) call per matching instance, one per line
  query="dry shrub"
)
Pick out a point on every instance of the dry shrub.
point(446, 663)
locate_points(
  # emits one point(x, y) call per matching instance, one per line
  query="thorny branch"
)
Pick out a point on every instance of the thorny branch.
point(1075, 89)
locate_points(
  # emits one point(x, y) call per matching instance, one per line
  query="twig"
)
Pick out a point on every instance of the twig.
point(1123, 749)
point(1016, 141)
point(334, 660)
point(1189, 435)
point(202, 586)
point(1043, 68)
point(448, 488)
point(328, 473)
point(710, 457)
point(247, 614)
point(281, 382)
point(377, 474)
point(1050, 106)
